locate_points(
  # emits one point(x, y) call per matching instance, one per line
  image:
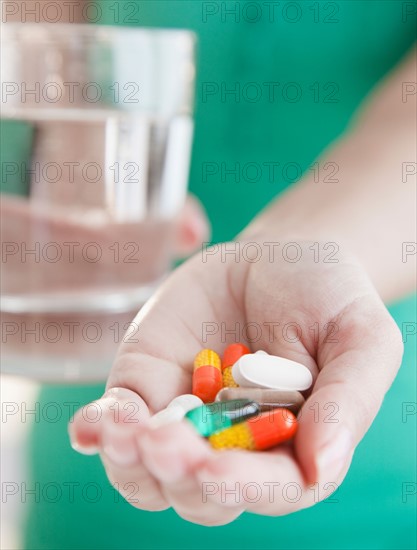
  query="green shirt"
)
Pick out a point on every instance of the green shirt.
point(277, 82)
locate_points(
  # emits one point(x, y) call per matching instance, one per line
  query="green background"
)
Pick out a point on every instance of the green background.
point(352, 53)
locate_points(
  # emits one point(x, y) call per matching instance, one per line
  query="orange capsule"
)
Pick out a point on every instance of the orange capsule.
point(207, 375)
point(207, 382)
point(232, 353)
point(259, 433)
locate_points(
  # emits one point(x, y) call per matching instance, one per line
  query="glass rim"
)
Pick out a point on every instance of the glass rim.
point(92, 30)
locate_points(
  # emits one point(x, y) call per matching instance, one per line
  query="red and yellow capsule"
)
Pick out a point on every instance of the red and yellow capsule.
point(207, 375)
point(232, 354)
point(257, 434)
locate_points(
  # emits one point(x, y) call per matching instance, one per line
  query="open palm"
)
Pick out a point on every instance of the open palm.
point(327, 316)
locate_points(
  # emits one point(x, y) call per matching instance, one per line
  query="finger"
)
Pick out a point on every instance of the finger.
point(124, 466)
point(357, 371)
point(173, 454)
point(119, 405)
point(193, 228)
point(267, 483)
point(111, 426)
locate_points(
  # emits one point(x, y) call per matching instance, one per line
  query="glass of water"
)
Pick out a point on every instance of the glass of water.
point(89, 213)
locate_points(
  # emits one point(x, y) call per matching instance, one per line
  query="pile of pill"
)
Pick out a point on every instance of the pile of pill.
point(246, 401)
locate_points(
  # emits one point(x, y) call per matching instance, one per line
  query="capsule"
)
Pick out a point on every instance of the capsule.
point(232, 354)
point(186, 402)
point(209, 419)
point(166, 416)
point(207, 375)
point(267, 399)
point(257, 434)
point(228, 380)
point(207, 357)
point(175, 410)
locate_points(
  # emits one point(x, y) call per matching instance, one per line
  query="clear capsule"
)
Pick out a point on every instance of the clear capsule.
point(267, 399)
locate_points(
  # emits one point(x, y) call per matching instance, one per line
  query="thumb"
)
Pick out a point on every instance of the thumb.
point(355, 374)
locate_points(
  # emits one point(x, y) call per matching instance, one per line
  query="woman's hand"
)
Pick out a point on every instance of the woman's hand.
point(327, 316)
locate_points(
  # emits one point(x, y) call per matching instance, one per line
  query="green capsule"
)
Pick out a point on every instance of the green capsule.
point(213, 417)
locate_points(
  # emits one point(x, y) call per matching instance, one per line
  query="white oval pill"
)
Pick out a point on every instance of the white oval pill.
point(186, 402)
point(268, 371)
point(166, 416)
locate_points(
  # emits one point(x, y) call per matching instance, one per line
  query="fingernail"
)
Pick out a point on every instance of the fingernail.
point(88, 447)
point(333, 457)
point(88, 450)
point(200, 227)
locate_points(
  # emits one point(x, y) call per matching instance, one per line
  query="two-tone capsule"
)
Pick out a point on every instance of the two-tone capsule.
point(231, 355)
point(207, 375)
point(257, 434)
point(209, 419)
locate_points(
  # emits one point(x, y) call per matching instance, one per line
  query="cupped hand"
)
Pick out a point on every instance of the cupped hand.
point(327, 316)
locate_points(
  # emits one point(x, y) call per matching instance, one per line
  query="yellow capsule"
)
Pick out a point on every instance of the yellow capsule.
point(207, 357)
point(228, 380)
point(257, 433)
point(237, 436)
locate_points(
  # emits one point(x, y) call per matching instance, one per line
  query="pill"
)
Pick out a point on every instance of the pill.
point(209, 419)
point(186, 402)
point(207, 375)
point(207, 382)
point(257, 434)
point(207, 357)
point(232, 354)
point(267, 399)
point(270, 371)
point(166, 416)
point(175, 410)
point(228, 380)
